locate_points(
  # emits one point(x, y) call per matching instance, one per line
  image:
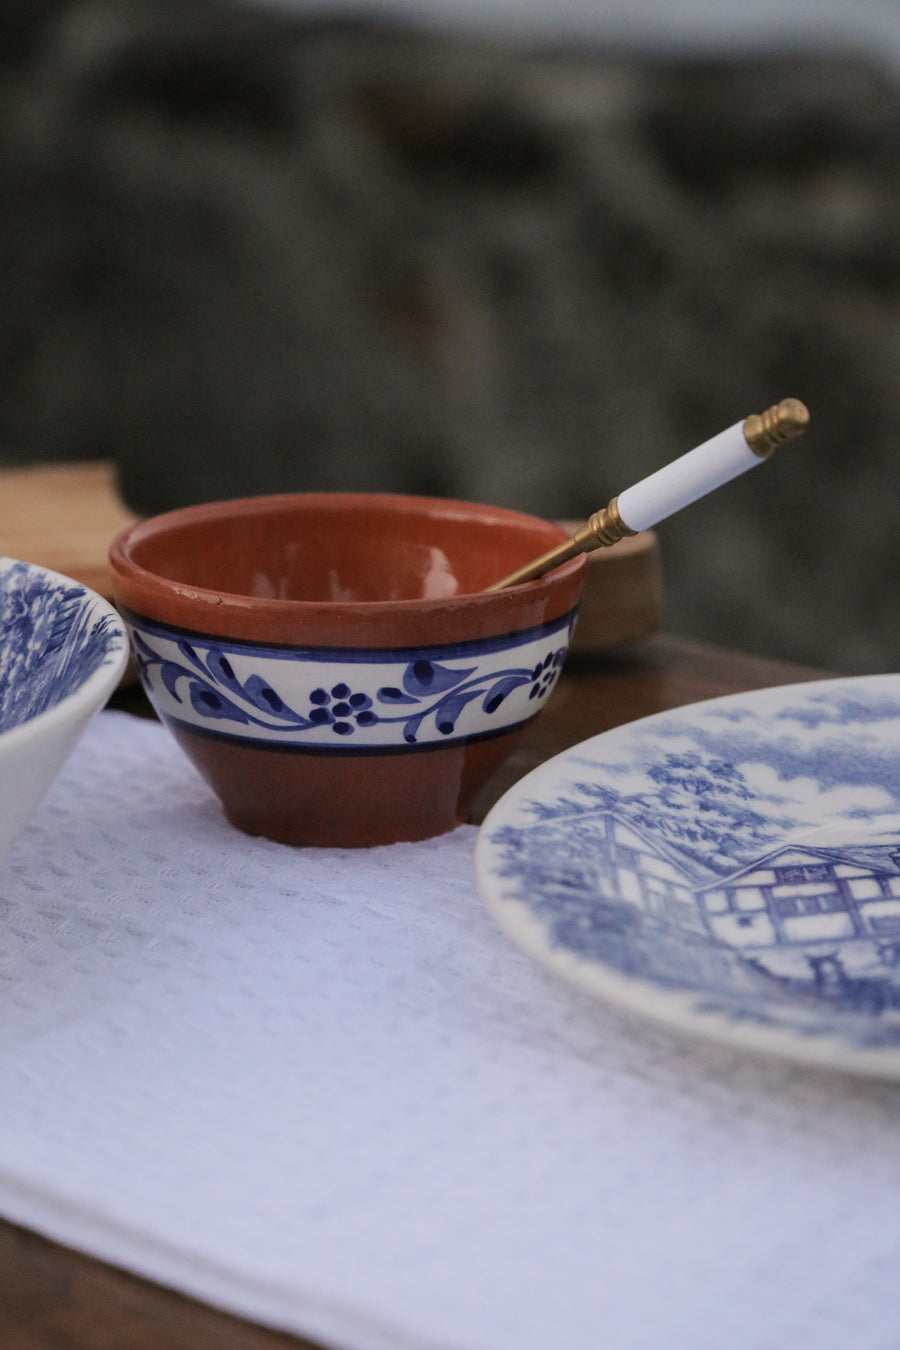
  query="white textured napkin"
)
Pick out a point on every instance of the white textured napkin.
point(321, 1089)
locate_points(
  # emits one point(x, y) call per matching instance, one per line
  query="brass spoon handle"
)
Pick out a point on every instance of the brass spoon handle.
point(604, 528)
point(670, 489)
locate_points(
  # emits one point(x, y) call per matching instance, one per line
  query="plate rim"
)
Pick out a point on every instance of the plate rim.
point(639, 995)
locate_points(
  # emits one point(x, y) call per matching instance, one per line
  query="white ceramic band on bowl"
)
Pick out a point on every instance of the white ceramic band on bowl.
point(348, 700)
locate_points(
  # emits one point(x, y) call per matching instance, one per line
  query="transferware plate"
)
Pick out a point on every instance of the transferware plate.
point(731, 869)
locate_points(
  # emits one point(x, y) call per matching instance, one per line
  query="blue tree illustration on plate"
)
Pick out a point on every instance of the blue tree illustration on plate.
point(701, 804)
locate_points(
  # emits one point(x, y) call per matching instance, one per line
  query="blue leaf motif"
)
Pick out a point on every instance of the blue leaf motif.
point(499, 690)
point(388, 694)
point(427, 677)
point(448, 710)
point(170, 672)
point(261, 694)
point(188, 651)
point(222, 670)
point(411, 727)
point(206, 701)
point(141, 648)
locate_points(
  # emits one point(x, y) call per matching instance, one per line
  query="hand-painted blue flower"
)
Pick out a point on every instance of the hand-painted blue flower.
point(545, 673)
point(341, 715)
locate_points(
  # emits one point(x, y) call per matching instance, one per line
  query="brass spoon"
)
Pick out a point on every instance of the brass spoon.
point(683, 481)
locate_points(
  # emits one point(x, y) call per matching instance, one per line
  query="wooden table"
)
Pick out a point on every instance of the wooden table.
point(55, 1299)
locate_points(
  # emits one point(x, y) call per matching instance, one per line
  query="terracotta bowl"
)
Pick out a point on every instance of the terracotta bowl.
point(326, 659)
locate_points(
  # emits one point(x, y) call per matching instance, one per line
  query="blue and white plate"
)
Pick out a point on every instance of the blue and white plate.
point(731, 868)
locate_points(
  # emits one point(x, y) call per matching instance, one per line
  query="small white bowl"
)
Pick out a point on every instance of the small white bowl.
point(63, 650)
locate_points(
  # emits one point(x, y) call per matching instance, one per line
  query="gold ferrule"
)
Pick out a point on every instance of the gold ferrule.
point(764, 432)
point(605, 527)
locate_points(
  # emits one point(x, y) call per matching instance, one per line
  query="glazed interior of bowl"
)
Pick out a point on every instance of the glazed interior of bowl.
point(54, 636)
point(340, 547)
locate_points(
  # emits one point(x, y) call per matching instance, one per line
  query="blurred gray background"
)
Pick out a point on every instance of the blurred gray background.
point(521, 252)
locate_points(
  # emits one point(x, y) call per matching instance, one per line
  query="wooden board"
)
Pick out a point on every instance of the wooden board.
point(64, 516)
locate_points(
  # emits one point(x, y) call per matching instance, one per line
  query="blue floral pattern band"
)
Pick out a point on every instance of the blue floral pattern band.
point(348, 699)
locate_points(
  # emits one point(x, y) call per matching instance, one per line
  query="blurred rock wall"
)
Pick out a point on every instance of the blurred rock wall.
point(245, 254)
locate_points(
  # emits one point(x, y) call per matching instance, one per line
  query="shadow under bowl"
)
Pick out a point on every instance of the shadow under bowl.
point(330, 661)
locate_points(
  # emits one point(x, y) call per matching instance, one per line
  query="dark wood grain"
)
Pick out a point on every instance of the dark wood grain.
point(55, 1299)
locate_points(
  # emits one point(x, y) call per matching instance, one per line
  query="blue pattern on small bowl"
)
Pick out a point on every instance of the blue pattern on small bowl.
point(343, 699)
point(63, 650)
point(732, 869)
point(52, 639)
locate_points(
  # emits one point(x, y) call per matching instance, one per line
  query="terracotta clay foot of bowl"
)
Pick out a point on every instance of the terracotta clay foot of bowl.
point(330, 661)
point(301, 799)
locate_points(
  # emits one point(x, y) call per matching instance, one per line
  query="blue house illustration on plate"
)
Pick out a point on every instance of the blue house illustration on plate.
point(599, 853)
point(801, 894)
point(795, 894)
point(651, 875)
point(815, 919)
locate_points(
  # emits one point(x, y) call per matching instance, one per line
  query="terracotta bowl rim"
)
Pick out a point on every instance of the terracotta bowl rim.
point(124, 566)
